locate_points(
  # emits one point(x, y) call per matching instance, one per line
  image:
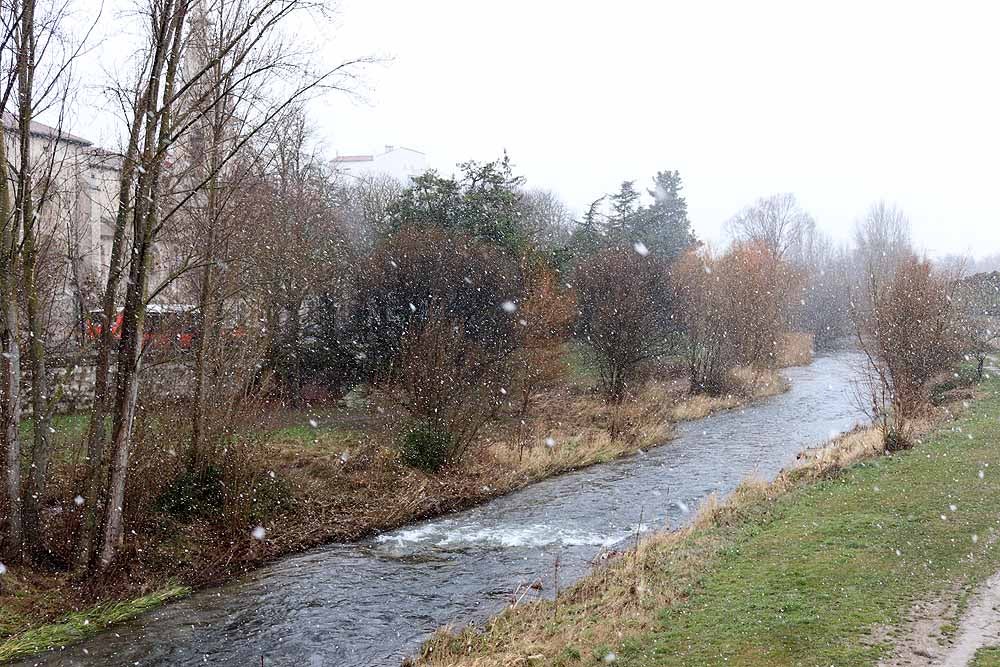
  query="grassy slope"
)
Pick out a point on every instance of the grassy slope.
point(796, 578)
point(809, 582)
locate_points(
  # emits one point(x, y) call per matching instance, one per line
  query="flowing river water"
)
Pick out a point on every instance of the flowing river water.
point(371, 603)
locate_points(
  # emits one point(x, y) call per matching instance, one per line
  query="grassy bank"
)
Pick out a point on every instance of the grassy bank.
point(80, 625)
point(346, 481)
point(828, 565)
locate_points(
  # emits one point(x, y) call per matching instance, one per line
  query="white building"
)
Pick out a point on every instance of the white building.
point(396, 161)
point(76, 226)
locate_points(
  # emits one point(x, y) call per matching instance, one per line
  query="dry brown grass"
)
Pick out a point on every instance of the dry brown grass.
point(567, 430)
point(751, 384)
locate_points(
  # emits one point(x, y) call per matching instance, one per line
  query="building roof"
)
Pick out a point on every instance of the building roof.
point(44, 131)
point(371, 158)
point(354, 158)
point(403, 148)
point(105, 159)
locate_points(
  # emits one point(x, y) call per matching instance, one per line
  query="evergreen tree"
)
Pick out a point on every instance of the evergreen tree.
point(624, 213)
point(664, 226)
point(588, 236)
point(485, 202)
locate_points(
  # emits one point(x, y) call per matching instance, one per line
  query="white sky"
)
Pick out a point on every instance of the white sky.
point(841, 103)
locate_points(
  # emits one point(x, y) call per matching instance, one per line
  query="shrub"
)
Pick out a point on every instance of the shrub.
point(438, 325)
point(447, 378)
point(427, 447)
point(268, 495)
point(905, 322)
point(545, 318)
point(194, 494)
point(895, 440)
point(252, 492)
point(626, 314)
point(733, 310)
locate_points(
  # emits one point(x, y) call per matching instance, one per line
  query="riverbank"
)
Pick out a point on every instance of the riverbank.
point(835, 562)
point(348, 483)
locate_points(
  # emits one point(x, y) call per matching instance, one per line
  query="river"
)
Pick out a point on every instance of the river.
point(371, 603)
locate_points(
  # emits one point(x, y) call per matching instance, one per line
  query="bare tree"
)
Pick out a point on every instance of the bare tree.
point(38, 51)
point(978, 299)
point(907, 330)
point(365, 204)
point(882, 240)
point(733, 309)
point(827, 271)
point(549, 221)
point(627, 314)
point(228, 104)
point(777, 221)
point(167, 103)
point(298, 250)
point(10, 352)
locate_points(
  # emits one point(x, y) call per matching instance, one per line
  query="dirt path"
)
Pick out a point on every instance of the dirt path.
point(979, 627)
point(921, 641)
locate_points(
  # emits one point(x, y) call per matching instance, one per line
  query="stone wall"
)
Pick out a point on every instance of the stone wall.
point(76, 384)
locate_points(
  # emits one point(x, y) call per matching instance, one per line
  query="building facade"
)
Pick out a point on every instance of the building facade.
point(76, 186)
point(395, 161)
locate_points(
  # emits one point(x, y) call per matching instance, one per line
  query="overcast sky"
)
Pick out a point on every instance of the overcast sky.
point(840, 103)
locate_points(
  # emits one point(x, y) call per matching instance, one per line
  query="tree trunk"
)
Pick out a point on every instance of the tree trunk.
point(128, 393)
point(205, 299)
point(201, 367)
point(10, 384)
point(10, 366)
point(41, 451)
point(133, 315)
point(97, 470)
point(294, 366)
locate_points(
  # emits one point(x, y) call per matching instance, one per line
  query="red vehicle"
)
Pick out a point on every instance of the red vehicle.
point(166, 326)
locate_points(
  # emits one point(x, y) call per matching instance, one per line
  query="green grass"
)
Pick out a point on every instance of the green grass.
point(83, 624)
point(68, 434)
point(67, 427)
point(581, 363)
point(807, 583)
point(321, 437)
point(986, 657)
